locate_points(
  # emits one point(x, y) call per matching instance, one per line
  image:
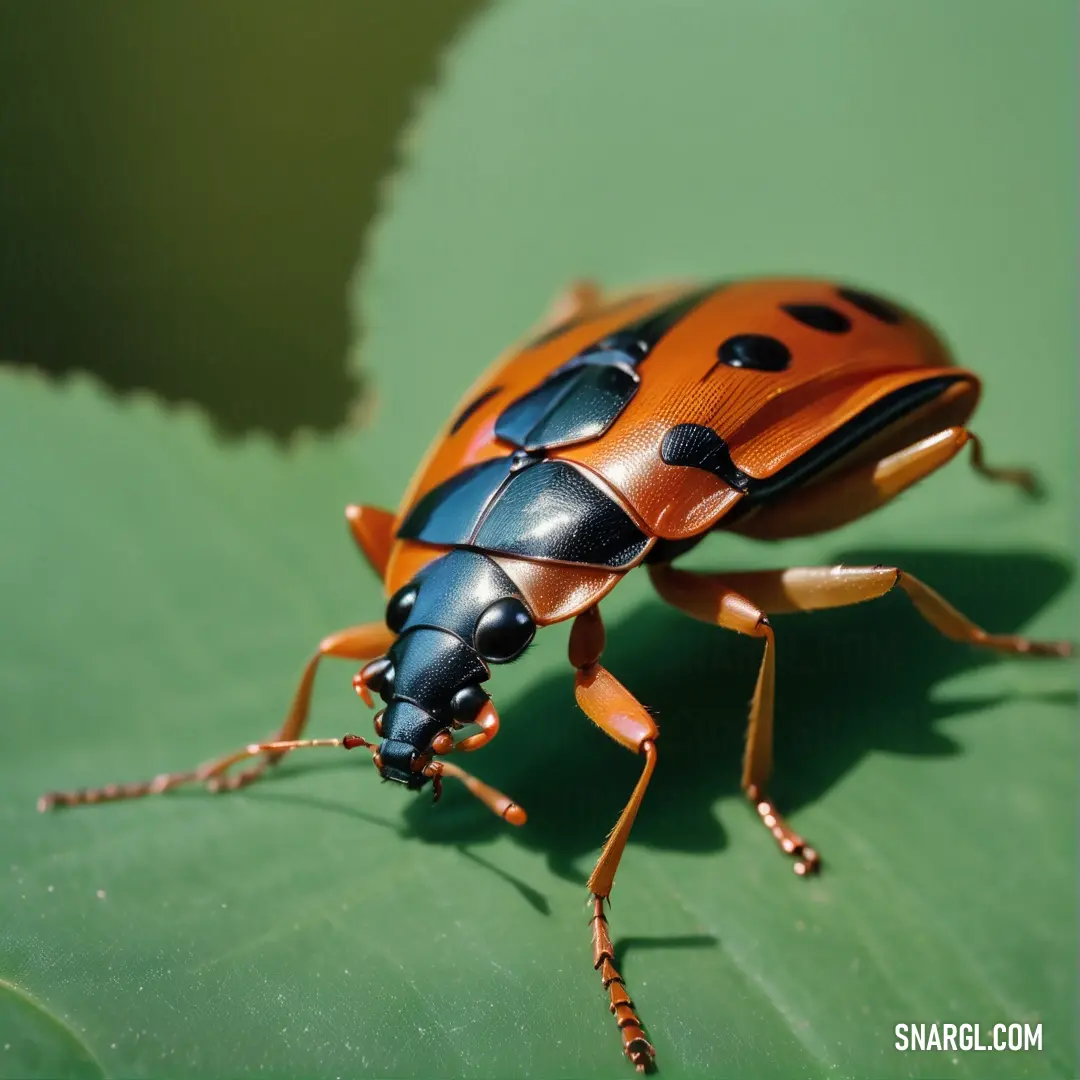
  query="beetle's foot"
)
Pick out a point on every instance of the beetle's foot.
point(807, 860)
point(1023, 646)
point(636, 1047)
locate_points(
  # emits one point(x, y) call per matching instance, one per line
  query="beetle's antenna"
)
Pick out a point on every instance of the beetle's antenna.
point(212, 774)
point(348, 742)
point(498, 803)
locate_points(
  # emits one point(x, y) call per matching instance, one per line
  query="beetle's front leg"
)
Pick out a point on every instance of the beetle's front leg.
point(621, 716)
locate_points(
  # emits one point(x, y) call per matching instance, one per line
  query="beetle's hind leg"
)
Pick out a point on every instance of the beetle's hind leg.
point(811, 588)
point(356, 643)
point(1024, 479)
point(739, 601)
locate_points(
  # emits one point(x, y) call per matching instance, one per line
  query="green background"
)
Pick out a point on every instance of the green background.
point(188, 399)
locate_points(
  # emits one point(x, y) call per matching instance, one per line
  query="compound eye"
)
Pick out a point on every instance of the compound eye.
point(401, 603)
point(504, 630)
point(385, 689)
point(378, 675)
point(466, 704)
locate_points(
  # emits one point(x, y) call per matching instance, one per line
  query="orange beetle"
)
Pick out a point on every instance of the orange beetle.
point(632, 427)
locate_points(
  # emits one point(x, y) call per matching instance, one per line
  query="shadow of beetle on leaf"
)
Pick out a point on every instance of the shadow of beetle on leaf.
point(849, 682)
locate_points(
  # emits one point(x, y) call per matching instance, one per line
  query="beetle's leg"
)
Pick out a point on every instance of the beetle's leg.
point(835, 501)
point(722, 599)
point(577, 301)
point(617, 713)
point(713, 600)
point(1024, 479)
point(846, 496)
point(809, 588)
point(373, 531)
point(356, 643)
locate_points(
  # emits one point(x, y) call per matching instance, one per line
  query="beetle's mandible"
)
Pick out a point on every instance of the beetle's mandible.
point(620, 435)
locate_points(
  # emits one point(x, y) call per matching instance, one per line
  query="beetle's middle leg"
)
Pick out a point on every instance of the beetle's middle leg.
point(621, 716)
point(712, 600)
point(356, 643)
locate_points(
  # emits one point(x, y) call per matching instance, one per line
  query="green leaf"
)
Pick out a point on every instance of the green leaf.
point(37, 1043)
point(161, 591)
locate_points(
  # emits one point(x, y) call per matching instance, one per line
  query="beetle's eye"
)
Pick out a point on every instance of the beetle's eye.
point(401, 603)
point(466, 704)
point(504, 630)
point(376, 672)
point(385, 689)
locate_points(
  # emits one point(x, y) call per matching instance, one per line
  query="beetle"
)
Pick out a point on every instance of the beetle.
point(620, 435)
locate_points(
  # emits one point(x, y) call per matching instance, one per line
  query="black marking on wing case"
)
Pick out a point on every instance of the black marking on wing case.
point(471, 408)
point(637, 339)
point(580, 400)
point(551, 511)
point(699, 447)
point(561, 328)
point(450, 512)
point(872, 305)
point(587, 315)
point(542, 510)
point(570, 406)
point(754, 352)
point(818, 317)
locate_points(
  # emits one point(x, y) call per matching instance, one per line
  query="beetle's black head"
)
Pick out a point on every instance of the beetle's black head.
point(455, 618)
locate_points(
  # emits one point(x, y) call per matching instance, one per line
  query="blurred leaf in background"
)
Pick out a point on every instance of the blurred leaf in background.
point(162, 588)
point(185, 186)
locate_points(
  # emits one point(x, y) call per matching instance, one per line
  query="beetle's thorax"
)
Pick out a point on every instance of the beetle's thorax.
point(458, 616)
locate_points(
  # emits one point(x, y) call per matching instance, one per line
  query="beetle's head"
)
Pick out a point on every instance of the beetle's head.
point(453, 620)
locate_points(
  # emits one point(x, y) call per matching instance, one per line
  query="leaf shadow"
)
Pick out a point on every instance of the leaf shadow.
point(850, 682)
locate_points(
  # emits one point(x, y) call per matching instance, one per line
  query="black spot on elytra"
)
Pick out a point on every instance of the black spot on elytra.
point(471, 408)
point(819, 317)
point(756, 352)
point(638, 339)
point(880, 309)
point(699, 447)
